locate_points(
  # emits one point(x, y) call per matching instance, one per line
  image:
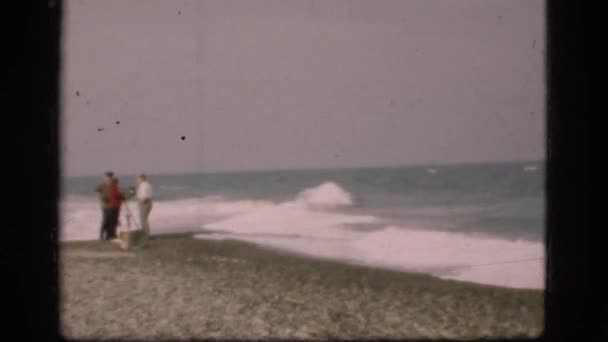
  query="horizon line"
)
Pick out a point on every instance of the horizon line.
point(314, 168)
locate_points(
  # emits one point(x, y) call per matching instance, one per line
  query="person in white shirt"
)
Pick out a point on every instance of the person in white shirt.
point(144, 201)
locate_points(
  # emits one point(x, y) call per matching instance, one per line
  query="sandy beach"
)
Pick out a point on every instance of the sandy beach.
point(181, 287)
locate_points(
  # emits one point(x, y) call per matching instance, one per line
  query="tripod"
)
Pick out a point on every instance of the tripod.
point(130, 216)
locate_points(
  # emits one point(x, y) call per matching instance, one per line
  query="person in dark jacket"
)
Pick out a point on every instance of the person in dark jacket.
point(115, 199)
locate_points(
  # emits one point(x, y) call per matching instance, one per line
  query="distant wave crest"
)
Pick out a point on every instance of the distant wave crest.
point(326, 195)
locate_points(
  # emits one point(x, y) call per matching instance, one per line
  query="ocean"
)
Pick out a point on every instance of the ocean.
point(481, 223)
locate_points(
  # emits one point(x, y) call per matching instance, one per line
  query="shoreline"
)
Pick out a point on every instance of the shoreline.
point(347, 261)
point(181, 287)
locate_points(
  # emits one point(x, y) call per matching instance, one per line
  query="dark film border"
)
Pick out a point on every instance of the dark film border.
point(574, 295)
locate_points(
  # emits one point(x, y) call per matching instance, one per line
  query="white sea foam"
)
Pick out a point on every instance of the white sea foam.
point(449, 255)
point(290, 219)
point(455, 256)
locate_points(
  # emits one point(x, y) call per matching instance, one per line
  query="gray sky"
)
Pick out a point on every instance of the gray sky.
point(295, 84)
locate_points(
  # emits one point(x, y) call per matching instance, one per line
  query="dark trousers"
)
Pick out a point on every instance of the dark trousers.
point(109, 222)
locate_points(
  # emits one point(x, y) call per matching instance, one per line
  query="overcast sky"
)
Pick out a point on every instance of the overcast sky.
point(298, 84)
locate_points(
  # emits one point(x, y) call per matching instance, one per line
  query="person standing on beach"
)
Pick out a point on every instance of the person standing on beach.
point(144, 201)
point(104, 200)
point(115, 199)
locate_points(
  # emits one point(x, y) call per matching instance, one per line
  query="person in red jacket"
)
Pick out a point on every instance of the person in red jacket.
point(115, 199)
point(102, 193)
